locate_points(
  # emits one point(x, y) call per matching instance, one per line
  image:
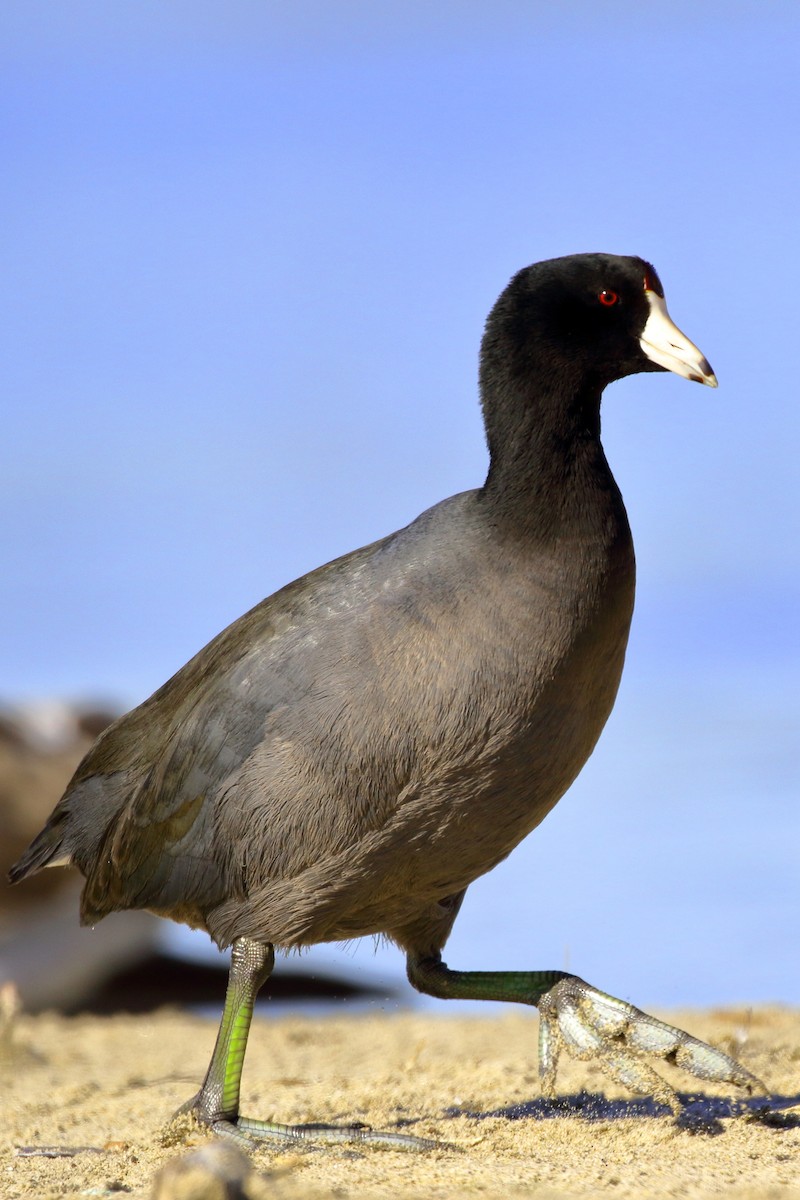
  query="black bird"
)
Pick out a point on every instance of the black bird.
point(347, 757)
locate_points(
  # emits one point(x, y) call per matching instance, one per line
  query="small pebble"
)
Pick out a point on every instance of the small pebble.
point(215, 1171)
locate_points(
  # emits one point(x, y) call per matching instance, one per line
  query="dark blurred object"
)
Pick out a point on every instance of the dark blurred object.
point(158, 979)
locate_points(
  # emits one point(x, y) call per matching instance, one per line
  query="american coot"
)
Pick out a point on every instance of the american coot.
point(349, 755)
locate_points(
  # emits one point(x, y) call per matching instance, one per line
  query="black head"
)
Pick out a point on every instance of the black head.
point(565, 328)
point(589, 319)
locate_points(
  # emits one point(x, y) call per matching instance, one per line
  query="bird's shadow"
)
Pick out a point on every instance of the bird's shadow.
point(699, 1113)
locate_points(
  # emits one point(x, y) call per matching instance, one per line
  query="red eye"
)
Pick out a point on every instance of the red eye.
point(608, 298)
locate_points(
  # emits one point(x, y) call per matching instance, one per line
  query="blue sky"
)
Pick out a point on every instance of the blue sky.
point(248, 252)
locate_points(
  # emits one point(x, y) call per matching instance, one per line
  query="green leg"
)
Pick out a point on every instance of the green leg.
point(432, 976)
point(251, 966)
point(217, 1103)
point(589, 1024)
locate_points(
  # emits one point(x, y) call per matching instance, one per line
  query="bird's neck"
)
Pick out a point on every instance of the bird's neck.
point(548, 475)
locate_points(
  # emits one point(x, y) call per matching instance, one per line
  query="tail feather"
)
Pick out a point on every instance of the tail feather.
point(44, 851)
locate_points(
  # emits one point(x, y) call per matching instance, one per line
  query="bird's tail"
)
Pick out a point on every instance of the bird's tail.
point(46, 850)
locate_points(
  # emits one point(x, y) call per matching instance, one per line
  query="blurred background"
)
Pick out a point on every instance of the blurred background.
point(248, 250)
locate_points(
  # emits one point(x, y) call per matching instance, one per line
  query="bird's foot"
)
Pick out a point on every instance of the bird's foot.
point(247, 1133)
point(590, 1024)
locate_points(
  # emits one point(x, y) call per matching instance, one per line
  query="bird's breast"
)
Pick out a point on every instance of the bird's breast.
point(510, 700)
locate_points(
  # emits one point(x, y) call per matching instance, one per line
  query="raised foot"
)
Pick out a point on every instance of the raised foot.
point(590, 1024)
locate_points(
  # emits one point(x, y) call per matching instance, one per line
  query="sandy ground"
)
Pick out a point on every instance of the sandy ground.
point(112, 1084)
